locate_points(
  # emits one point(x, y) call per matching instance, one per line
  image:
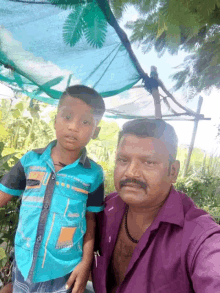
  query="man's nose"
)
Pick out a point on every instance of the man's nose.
point(133, 170)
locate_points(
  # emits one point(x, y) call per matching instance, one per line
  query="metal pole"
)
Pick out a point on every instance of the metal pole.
point(196, 121)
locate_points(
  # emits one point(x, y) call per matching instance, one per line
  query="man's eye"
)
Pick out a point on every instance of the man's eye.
point(67, 117)
point(121, 160)
point(148, 162)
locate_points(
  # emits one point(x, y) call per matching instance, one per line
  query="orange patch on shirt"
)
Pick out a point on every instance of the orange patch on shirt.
point(66, 237)
point(35, 175)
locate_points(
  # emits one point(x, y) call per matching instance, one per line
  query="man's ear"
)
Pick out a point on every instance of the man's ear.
point(174, 171)
point(96, 132)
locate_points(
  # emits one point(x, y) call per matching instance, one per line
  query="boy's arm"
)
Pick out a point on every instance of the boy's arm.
point(4, 198)
point(80, 275)
point(89, 239)
point(12, 183)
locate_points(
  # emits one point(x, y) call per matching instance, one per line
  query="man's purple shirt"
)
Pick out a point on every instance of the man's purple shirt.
point(178, 253)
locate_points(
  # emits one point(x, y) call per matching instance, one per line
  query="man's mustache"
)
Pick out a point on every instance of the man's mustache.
point(135, 181)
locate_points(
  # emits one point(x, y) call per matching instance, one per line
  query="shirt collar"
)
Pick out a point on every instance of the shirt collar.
point(84, 160)
point(172, 211)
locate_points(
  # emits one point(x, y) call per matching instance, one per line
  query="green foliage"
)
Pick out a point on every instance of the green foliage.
point(200, 70)
point(8, 220)
point(95, 26)
point(25, 127)
point(6, 161)
point(73, 26)
point(202, 181)
point(102, 150)
point(201, 188)
point(85, 19)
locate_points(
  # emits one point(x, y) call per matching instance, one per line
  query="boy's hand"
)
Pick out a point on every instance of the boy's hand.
point(78, 278)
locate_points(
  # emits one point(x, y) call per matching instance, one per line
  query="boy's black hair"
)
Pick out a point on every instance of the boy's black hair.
point(87, 95)
point(153, 128)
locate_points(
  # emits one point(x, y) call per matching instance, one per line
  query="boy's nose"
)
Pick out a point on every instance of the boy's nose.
point(73, 126)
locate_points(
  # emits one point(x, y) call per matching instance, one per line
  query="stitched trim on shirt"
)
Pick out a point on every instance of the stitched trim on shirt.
point(33, 198)
point(51, 228)
point(66, 207)
point(80, 190)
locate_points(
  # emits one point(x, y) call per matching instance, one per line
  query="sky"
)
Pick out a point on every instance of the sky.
point(207, 130)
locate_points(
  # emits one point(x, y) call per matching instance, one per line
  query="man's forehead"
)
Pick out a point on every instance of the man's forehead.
point(131, 143)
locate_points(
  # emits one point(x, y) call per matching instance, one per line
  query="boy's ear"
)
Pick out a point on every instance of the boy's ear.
point(96, 132)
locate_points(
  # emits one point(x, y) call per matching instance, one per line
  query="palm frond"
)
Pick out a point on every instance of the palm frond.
point(95, 26)
point(73, 26)
point(69, 4)
point(118, 7)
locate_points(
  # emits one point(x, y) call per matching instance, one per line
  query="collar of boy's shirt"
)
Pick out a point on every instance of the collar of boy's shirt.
point(83, 159)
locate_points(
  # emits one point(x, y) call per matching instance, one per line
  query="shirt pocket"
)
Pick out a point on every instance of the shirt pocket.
point(36, 181)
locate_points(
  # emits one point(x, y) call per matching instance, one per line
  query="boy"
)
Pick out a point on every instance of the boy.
point(61, 190)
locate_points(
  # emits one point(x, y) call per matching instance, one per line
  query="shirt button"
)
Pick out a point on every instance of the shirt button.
point(39, 239)
point(53, 176)
point(46, 206)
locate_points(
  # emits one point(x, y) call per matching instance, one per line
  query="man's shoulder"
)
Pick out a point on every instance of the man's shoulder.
point(110, 196)
point(197, 223)
point(113, 204)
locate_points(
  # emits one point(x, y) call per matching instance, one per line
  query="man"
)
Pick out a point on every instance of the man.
point(152, 238)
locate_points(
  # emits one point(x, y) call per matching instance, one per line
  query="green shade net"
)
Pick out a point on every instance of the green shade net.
point(138, 103)
point(48, 45)
point(45, 47)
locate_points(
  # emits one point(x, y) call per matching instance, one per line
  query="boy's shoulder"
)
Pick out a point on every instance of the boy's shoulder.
point(95, 164)
point(32, 155)
point(39, 151)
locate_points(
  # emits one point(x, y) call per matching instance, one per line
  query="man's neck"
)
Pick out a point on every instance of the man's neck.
point(144, 216)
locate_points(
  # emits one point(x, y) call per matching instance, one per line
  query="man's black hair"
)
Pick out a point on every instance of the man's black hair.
point(153, 128)
point(87, 95)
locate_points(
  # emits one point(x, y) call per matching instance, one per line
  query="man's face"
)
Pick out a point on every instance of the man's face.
point(142, 176)
point(75, 124)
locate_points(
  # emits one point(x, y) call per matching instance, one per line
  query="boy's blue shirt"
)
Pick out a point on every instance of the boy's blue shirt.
point(52, 222)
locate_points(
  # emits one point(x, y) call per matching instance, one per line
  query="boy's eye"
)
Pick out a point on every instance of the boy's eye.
point(86, 122)
point(67, 117)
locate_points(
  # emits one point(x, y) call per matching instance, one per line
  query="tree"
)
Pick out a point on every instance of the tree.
point(173, 25)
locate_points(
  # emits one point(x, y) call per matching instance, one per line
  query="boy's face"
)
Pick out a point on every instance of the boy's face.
point(75, 124)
